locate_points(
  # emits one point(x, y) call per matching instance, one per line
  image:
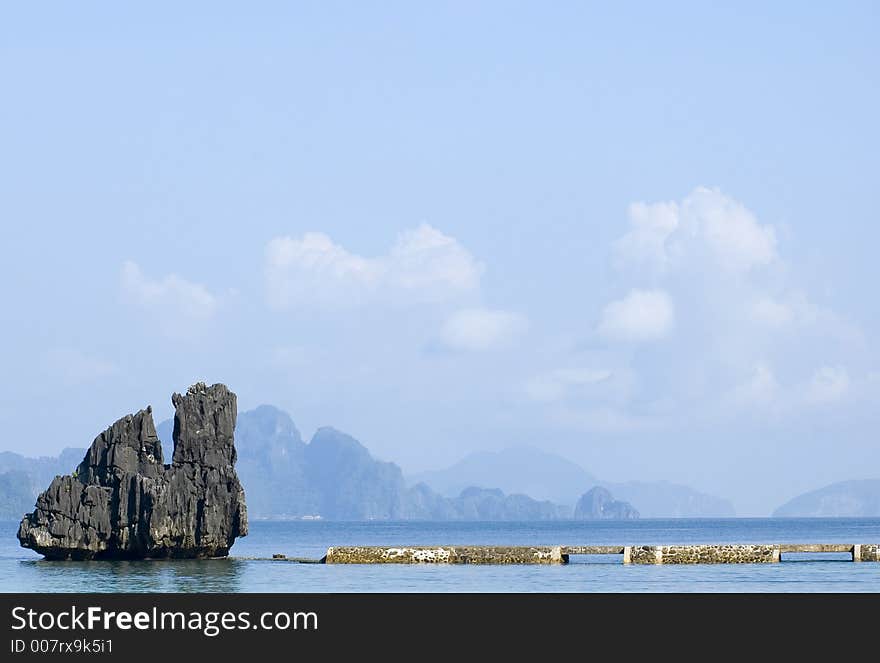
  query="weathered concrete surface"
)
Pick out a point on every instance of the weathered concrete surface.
point(122, 502)
point(705, 554)
point(592, 550)
point(446, 555)
point(866, 552)
point(670, 554)
point(815, 547)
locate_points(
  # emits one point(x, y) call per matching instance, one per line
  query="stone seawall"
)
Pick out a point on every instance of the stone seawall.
point(446, 555)
point(704, 554)
point(669, 554)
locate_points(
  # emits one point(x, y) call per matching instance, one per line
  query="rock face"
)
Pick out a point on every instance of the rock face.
point(123, 502)
point(599, 504)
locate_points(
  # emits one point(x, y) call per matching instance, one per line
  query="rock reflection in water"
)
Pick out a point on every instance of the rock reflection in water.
point(214, 575)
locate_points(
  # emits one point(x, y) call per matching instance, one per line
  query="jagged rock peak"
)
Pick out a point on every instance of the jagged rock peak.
point(204, 423)
point(130, 445)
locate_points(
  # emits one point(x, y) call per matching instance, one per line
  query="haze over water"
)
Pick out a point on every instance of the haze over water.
point(23, 571)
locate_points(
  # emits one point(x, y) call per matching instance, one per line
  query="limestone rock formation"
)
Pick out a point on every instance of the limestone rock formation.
point(123, 502)
point(598, 503)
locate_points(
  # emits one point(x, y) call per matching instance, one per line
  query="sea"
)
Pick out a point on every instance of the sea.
point(23, 570)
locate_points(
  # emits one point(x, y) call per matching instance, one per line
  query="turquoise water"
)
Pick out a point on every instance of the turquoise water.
point(23, 571)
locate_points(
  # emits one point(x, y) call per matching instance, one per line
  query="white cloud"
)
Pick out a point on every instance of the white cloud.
point(728, 228)
point(315, 267)
point(425, 259)
point(643, 315)
point(74, 367)
point(422, 265)
point(169, 298)
point(651, 227)
point(828, 384)
point(477, 329)
point(736, 303)
point(705, 225)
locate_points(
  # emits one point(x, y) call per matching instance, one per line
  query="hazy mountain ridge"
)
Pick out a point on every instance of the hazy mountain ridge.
point(857, 498)
point(42, 469)
point(545, 475)
point(335, 477)
point(16, 494)
point(23, 478)
point(662, 499)
point(523, 470)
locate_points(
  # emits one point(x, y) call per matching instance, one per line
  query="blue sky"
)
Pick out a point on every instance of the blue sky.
point(641, 236)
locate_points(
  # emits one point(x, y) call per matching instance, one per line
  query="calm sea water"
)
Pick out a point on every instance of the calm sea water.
point(23, 571)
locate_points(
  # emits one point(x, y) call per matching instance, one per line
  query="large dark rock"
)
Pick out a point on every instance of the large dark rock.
point(122, 502)
point(598, 503)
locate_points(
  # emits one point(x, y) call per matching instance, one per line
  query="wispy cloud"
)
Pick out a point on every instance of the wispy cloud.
point(174, 303)
point(557, 384)
point(423, 264)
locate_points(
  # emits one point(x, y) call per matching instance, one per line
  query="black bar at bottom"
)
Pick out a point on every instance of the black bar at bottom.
point(270, 626)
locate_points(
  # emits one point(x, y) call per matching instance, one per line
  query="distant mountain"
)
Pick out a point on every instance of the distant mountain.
point(335, 477)
point(661, 499)
point(23, 478)
point(547, 476)
point(843, 499)
point(523, 470)
point(43, 469)
point(16, 495)
point(352, 485)
point(492, 504)
point(598, 504)
point(271, 464)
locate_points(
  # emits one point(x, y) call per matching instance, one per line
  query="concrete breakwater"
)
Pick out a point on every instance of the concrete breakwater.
point(662, 554)
point(446, 555)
